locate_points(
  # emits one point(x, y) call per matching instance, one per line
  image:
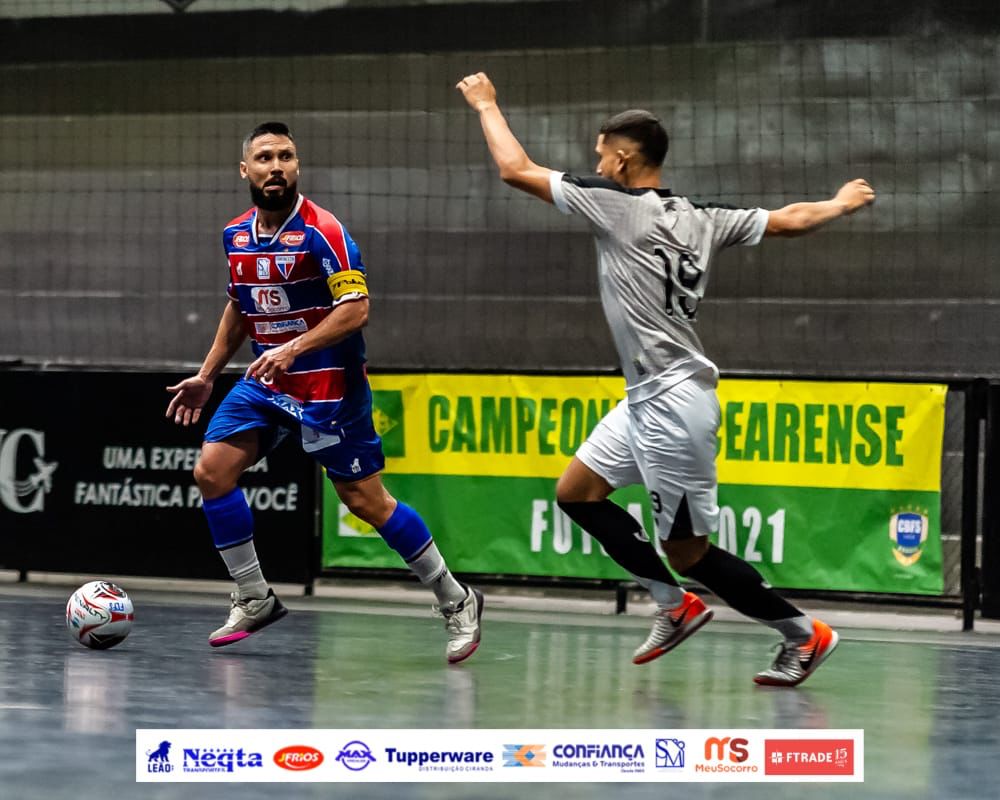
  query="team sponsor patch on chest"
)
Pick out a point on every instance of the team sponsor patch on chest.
point(297, 325)
point(263, 268)
point(270, 299)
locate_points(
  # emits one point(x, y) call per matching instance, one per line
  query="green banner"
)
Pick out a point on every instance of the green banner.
point(858, 508)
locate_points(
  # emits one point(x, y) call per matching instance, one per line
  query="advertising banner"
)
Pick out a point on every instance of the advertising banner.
point(822, 485)
point(94, 479)
point(477, 755)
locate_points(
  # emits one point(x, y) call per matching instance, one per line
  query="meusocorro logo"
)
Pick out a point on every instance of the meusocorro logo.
point(298, 757)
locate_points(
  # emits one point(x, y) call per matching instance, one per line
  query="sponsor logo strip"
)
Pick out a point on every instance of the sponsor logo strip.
point(500, 756)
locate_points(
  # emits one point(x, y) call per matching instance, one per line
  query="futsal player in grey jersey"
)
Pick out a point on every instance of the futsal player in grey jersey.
point(654, 253)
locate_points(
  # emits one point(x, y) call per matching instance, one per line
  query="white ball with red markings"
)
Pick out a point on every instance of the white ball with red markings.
point(99, 615)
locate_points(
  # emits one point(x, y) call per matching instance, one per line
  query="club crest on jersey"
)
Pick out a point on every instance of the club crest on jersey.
point(285, 264)
point(292, 238)
point(270, 299)
point(264, 268)
point(241, 238)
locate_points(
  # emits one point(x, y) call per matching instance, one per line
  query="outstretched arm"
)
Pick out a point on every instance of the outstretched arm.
point(191, 394)
point(799, 218)
point(516, 169)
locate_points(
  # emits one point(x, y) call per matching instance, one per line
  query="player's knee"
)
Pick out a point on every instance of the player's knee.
point(683, 554)
point(212, 482)
point(373, 508)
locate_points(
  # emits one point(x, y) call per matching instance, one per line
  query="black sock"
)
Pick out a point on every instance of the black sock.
point(621, 535)
point(741, 586)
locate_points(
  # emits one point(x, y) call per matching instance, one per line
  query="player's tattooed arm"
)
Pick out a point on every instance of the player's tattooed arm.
point(799, 218)
point(191, 394)
point(516, 169)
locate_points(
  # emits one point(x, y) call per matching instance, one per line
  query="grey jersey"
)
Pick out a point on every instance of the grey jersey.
point(654, 251)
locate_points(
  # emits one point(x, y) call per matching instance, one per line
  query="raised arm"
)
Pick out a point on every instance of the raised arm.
point(800, 218)
point(516, 169)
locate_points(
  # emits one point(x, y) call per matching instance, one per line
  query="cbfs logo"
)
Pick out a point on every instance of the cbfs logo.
point(355, 756)
point(670, 753)
point(524, 755)
point(158, 760)
point(908, 534)
point(19, 448)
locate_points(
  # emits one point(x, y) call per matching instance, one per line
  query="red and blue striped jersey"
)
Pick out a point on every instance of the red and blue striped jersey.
point(286, 284)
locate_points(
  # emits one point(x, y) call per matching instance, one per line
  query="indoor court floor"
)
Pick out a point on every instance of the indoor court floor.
point(927, 700)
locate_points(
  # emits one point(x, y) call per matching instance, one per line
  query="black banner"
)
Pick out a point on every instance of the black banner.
point(95, 480)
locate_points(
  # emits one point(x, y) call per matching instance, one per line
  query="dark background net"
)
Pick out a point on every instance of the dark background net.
point(122, 131)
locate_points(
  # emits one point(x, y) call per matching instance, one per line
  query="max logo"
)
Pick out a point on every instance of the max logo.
point(270, 299)
point(716, 749)
point(241, 239)
point(27, 494)
point(292, 238)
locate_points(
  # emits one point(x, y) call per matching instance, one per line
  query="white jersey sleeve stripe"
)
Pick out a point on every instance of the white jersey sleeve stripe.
point(759, 228)
point(558, 197)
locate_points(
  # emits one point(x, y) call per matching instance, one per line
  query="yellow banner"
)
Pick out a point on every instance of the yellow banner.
point(773, 433)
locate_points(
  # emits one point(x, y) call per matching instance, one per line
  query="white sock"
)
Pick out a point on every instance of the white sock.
point(794, 629)
point(429, 566)
point(243, 566)
point(664, 595)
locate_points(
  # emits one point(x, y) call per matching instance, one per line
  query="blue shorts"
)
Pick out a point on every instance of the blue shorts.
point(348, 452)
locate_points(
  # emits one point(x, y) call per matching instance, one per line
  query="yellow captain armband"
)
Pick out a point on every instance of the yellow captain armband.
point(351, 281)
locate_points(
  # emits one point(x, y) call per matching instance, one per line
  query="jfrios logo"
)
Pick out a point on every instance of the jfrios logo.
point(298, 757)
point(292, 238)
point(241, 239)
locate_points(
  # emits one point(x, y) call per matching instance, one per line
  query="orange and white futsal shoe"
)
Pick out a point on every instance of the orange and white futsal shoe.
point(795, 662)
point(672, 626)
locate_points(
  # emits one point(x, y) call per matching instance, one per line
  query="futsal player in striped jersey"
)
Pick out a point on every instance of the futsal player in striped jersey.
point(298, 289)
point(654, 252)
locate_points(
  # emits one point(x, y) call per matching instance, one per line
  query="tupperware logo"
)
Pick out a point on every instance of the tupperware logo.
point(298, 757)
point(220, 759)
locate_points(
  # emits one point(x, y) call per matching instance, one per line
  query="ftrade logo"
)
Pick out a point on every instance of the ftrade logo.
point(18, 447)
point(298, 757)
point(355, 756)
point(908, 533)
point(388, 417)
point(808, 757)
point(158, 760)
point(524, 755)
point(670, 753)
point(726, 754)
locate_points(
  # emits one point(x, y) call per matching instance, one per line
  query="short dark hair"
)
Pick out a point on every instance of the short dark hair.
point(277, 128)
point(642, 128)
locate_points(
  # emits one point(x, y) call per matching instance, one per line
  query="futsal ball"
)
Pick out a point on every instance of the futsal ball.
point(99, 615)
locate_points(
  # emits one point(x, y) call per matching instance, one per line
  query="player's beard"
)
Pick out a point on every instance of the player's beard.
point(274, 201)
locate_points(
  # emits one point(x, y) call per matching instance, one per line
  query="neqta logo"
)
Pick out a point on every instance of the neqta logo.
point(33, 486)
